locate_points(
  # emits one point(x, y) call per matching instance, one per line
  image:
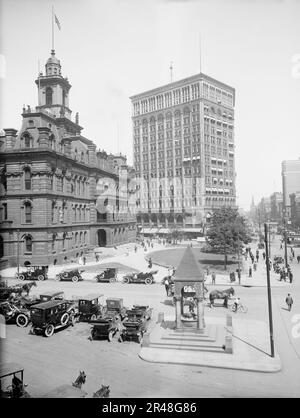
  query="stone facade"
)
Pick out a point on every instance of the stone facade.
point(60, 196)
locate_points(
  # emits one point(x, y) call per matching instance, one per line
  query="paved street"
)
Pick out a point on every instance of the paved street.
point(57, 360)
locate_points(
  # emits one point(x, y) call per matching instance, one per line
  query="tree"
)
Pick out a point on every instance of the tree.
point(227, 232)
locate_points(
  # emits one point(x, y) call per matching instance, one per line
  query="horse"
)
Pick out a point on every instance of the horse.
point(80, 380)
point(103, 392)
point(26, 287)
point(220, 294)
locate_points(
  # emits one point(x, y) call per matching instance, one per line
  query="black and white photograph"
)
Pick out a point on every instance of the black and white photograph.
point(149, 202)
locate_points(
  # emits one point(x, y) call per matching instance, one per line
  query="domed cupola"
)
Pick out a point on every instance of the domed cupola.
point(53, 66)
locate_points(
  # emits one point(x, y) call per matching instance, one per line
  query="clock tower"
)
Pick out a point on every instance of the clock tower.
point(53, 89)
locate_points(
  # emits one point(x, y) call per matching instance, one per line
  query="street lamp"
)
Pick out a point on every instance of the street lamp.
point(269, 291)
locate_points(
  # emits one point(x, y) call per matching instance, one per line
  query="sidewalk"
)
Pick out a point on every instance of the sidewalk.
point(250, 347)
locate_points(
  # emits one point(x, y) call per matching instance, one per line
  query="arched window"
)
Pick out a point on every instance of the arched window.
point(27, 178)
point(28, 212)
point(49, 93)
point(28, 243)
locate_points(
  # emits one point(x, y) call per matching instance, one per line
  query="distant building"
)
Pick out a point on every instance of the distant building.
point(295, 209)
point(290, 182)
point(184, 152)
point(60, 196)
point(276, 207)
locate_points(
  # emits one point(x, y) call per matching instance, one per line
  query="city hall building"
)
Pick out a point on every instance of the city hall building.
point(184, 152)
point(60, 196)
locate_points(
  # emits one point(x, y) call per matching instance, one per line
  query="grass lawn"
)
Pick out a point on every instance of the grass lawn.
point(172, 257)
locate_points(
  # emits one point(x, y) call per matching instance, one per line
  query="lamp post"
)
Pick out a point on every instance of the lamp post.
point(285, 239)
point(269, 292)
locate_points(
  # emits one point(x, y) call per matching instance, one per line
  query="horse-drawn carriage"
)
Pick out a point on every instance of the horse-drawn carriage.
point(33, 272)
point(146, 278)
point(223, 295)
point(17, 387)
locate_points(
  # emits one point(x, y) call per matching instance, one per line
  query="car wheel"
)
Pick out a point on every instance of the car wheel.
point(57, 278)
point(110, 336)
point(41, 277)
point(22, 320)
point(112, 280)
point(49, 330)
point(21, 277)
point(148, 280)
point(93, 317)
point(125, 280)
point(75, 279)
point(65, 318)
point(93, 334)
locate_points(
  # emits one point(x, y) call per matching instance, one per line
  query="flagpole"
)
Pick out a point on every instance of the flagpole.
point(52, 28)
point(39, 101)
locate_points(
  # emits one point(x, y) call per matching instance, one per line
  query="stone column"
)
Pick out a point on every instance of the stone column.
point(10, 138)
point(178, 312)
point(44, 136)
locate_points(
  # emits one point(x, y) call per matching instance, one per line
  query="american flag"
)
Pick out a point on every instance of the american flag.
point(57, 22)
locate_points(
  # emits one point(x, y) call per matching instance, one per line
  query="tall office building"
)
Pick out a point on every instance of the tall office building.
point(183, 143)
point(290, 182)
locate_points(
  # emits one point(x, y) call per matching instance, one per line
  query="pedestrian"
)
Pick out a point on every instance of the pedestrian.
point(290, 276)
point(135, 248)
point(150, 263)
point(167, 284)
point(213, 277)
point(298, 259)
point(226, 301)
point(264, 255)
point(289, 301)
point(254, 266)
point(257, 257)
point(84, 260)
point(250, 271)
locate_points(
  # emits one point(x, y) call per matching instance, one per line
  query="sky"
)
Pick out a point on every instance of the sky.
point(113, 49)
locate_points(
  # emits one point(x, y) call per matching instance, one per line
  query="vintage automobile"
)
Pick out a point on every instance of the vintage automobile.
point(106, 327)
point(146, 278)
point(73, 275)
point(14, 313)
point(90, 307)
point(33, 273)
point(109, 275)
point(49, 316)
point(16, 389)
point(114, 308)
point(142, 311)
point(135, 324)
point(45, 297)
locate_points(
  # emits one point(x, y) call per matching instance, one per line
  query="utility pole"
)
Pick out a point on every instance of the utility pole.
point(269, 292)
point(18, 252)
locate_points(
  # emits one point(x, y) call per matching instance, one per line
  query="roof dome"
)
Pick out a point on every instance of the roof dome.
point(53, 59)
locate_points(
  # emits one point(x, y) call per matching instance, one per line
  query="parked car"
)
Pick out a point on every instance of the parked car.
point(33, 273)
point(106, 327)
point(14, 313)
point(49, 316)
point(109, 275)
point(146, 278)
point(135, 324)
point(114, 308)
point(90, 307)
point(73, 275)
point(141, 311)
point(45, 297)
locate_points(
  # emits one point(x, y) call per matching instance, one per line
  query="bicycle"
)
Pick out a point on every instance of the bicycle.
point(241, 308)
